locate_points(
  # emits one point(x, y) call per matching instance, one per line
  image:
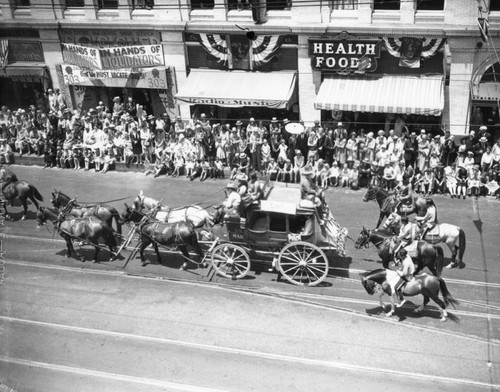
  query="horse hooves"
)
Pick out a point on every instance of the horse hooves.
point(23, 217)
point(183, 267)
point(443, 319)
point(143, 264)
point(204, 265)
point(461, 265)
point(389, 314)
point(452, 265)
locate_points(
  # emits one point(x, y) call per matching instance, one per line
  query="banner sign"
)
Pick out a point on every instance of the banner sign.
point(344, 55)
point(138, 78)
point(132, 56)
point(81, 56)
point(25, 51)
point(105, 38)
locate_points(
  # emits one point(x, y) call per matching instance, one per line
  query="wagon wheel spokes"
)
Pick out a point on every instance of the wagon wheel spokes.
point(230, 261)
point(303, 263)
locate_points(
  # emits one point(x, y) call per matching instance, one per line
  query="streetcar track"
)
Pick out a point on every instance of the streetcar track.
point(280, 296)
point(229, 351)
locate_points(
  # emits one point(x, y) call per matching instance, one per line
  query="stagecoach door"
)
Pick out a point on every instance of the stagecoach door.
point(278, 229)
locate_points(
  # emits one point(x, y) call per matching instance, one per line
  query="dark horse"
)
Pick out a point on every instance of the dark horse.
point(13, 189)
point(429, 286)
point(428, 256)
point(179, 234)
point(388, 203)
point(88, 230)
point(101, 211)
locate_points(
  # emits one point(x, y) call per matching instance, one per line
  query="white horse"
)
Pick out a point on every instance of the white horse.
point(451, 235)
point(198, 216)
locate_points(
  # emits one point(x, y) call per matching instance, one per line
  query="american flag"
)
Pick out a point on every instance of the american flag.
point(4, 53)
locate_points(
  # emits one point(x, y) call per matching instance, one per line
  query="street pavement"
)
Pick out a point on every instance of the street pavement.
point(60, 315)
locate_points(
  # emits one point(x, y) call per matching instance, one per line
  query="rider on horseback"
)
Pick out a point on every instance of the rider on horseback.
point(406, 269)
point(310, 191)
point(406, 234)
point(429, 220)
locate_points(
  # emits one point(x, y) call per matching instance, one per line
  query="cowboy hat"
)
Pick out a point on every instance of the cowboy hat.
point(307, 170)
point(150, 117)
point(243, 155)
point(298, 152)
point(483, 139)
point(239, 122)
point(381, 133)
point(274, 120)
point(242, 177)
point(483, 128)
point(231, 185)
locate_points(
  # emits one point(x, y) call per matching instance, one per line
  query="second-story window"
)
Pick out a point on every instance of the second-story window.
point(75, 3)
point(386, 4)
point(202, 4)
point(22, 3)
point(238, 5)
point(143, 4)
point(430, 5)
point(108, 4)
point(345, 4)
point(278, 4)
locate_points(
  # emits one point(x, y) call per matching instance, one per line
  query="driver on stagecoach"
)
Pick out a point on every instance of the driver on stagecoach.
point(310, 191)
point(232, 203)
point(429, 220)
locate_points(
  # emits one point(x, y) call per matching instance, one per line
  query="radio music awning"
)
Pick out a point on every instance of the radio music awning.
point(238, 88)
point(402, 94)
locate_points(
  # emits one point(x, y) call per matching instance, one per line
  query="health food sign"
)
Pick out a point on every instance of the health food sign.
point(344, 55)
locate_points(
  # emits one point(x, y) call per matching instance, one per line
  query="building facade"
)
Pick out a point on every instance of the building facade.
point(374, 64)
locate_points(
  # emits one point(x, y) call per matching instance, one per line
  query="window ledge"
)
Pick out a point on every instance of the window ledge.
point(22, 12)
point(143, 13)
point(386, 16)
point(104, 13)
point(74, 13)
point(429, 16)
point(201, 14)
point(344, 14)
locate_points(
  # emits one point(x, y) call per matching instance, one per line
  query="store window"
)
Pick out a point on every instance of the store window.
point(494, 5)
point(74, 3)
point(108, 4)
point(344, 4)
point(386, 4)
point(430, 5)
point(143, 4)
point(202, 4)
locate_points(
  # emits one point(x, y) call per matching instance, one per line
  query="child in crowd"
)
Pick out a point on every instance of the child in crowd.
point(88, 158)
point(451, 180)
point(179, 164)
point(474, 181)
point(322, 177)
point(197, 169)
point(427, 183)
point(205, 169)
point(219, 169)
point(77, 157)
point(334, 174)
point(98, 159)
point(461, 182)
point(189, 166)
point(354, 177)
point(286, 171)
point(344, 175)
point(108, 160)
point(272, 170)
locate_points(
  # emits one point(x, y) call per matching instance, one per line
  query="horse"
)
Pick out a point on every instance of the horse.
point(427, 255)
point(388, 203)
point(446, 233)
point(195, 214)
point(101, 211)
point(13, 189)
point(179, 234)
point(88, 230)
point(427, 285)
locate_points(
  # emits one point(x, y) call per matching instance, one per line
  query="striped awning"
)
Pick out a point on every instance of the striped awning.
point(239, 88)
point(387, 94)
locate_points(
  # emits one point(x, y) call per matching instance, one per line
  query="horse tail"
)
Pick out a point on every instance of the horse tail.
point(448, 299)
point(439, 260)
point(35, 193)
point(461, 244)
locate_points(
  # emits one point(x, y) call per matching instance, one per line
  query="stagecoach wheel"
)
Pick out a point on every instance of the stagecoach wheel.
point(303, 264)
point(230, 261)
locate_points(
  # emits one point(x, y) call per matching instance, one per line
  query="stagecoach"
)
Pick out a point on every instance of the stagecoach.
point(283, 232)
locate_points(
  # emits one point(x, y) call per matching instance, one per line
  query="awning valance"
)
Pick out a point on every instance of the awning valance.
point(238, 88)
point(24, 70)
point(387, 94)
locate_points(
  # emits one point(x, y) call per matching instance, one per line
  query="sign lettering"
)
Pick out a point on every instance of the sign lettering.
point(331, 54)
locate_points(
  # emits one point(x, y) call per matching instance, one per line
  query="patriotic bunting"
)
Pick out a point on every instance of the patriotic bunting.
point(216, 45)
point(4, 53)
point(411, 50)
point(264, 48)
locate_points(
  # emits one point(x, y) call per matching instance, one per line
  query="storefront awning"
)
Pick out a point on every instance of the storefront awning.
point(24, 70)
point(387, 94)
point(238, 88)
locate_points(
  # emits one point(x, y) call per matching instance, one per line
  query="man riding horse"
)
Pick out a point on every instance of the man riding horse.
point(429, 220)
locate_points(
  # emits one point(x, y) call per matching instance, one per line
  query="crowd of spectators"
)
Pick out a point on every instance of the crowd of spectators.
point(204, 147)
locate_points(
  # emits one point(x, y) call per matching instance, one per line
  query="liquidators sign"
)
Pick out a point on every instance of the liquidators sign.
point(136, 56)
point(348, 55)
